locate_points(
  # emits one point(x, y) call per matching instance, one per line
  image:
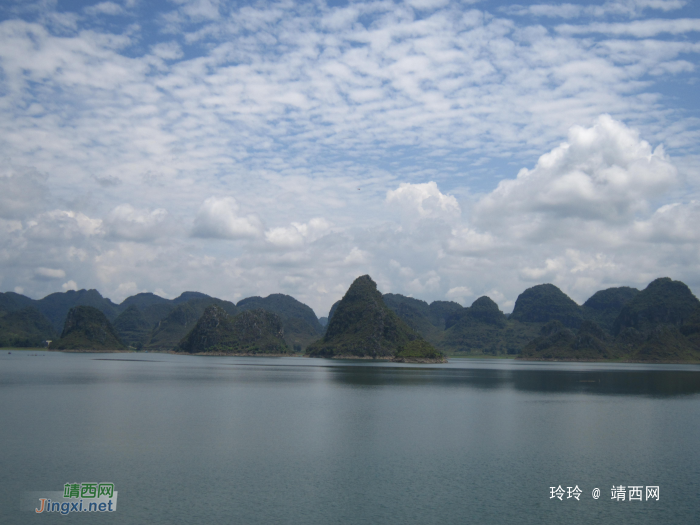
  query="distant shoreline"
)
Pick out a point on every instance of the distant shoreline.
point(365, 358)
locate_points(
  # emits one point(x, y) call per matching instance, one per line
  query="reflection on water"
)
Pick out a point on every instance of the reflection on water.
point(190, 439)
point(628, 382)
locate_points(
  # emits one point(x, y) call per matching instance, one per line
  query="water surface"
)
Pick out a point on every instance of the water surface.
point(192, 439)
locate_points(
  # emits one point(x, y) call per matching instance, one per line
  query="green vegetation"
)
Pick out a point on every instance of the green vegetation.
point(418, 351)
point(444, 314)
point(555, 341)
point(301, 327)
point(662, 302)
point(544, 303)
point(27, 327)
point(604, 306)
point(132, 327)
point(659, 324)
point(415, 313)
point(87, 328)
point(362, 326)
point(249, 332)
point(471, 336)
point(480, 329)
point(169, 332)
point(11, 301)
point(56, 306)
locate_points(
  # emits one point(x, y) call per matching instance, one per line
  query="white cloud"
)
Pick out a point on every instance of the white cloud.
point(49, 273)
point(23, 192)
point(675, 223)
point(459, 293)
point(70, 285)
point(356, 257)
point(548, 272)
point(392, 124)
point(637, 28)
point(425, 200)
point(467, 241)
point(427, 4)
point(602, 173)
point(127, 223)
point(125, 290)
point(218, 219)
point(104, 8)
point(631, 8)
point(60, 225)
point(298, 233)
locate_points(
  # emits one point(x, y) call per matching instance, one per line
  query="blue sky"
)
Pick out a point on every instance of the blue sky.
point(448, 149)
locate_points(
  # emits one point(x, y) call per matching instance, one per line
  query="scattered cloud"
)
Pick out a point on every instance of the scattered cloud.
point(218, 219)
point(70, 285)
point(297, 234)
point(127, 223)
point(23, 192)
point(459, 293)
point(49, 273)
point(448, 149)
point(104, 8)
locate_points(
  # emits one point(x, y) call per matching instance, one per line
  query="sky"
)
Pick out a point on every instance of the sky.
point(449, 149)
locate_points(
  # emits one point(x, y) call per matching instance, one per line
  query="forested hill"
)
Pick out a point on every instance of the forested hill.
point(660, 323)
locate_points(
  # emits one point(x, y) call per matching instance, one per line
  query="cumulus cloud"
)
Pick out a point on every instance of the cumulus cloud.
point(298, 233)
point(467, 241)
point(60, 225)
point(128, 223)
point(459, 293)
point(356, 257)
point(604, 172)
point(70, 285)
point(675, 223)
point(424, 201)
point(218, 219)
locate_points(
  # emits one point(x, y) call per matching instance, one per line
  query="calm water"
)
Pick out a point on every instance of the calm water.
point(306, 441)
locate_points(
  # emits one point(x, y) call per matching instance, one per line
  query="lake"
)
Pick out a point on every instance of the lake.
point(188, 439)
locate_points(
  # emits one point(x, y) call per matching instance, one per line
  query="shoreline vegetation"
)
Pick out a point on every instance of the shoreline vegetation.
point(660, 324)
point(351, 358)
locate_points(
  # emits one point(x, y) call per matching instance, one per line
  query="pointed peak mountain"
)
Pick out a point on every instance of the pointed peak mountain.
point(361, 288)
point(363, 326)
point(87, 328)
